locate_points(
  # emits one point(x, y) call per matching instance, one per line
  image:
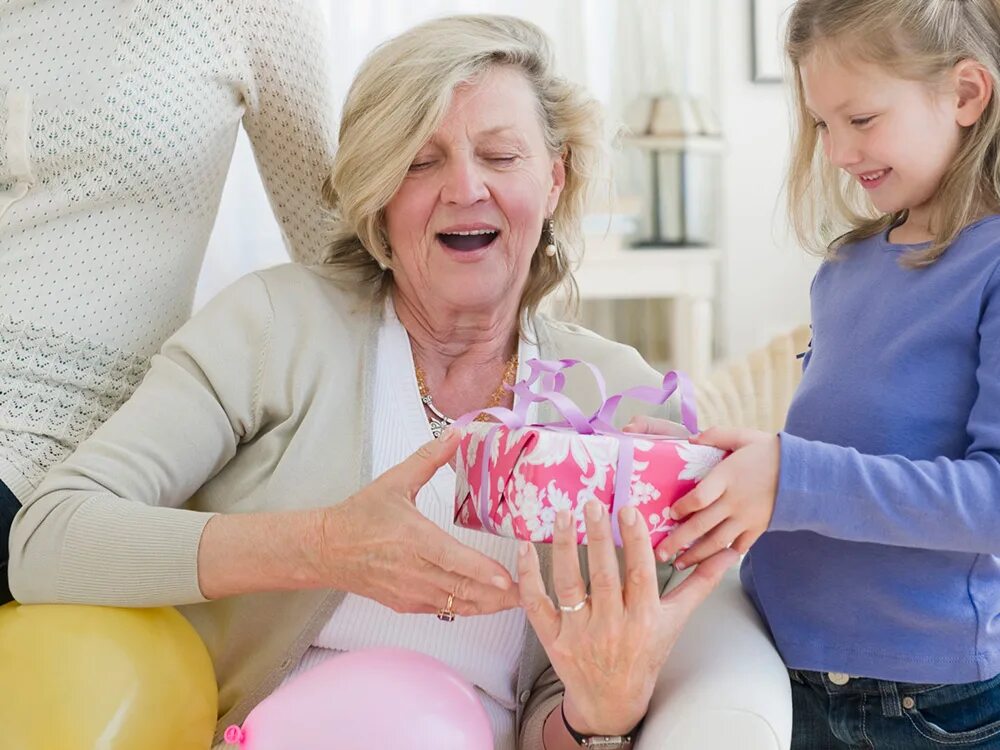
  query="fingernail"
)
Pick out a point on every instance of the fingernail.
point(522, 549)
point(663, 555)
point(594, 510)
point(500, 582)
point(628, 516)
point(679, 565)
point(673, 515)
point(562, 520)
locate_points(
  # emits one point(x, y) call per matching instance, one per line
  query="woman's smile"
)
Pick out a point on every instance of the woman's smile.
point(468, 238)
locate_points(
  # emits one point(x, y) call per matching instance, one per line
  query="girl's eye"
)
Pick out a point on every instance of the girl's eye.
point(819, 125)
point(862, 121)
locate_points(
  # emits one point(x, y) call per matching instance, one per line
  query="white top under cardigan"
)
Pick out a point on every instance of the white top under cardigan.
point(117, 127)
point(485, 650)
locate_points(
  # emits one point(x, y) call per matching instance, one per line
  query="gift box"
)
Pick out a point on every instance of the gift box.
point(513, 477)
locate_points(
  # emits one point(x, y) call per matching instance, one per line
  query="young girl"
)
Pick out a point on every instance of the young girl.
point(879, 572)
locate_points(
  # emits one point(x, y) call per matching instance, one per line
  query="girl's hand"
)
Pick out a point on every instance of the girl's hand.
point(608, 651)
point(377, 544)
point(733, 505)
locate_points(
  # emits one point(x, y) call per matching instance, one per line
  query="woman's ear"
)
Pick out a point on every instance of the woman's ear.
point(558, 183)
point(974, 89)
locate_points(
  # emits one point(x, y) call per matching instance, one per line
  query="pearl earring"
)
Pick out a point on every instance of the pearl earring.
point(550, 248)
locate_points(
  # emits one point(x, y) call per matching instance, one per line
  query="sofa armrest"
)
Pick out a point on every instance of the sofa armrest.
point(724, 685)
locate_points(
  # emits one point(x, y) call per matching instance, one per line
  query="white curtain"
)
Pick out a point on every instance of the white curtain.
point(617, 48)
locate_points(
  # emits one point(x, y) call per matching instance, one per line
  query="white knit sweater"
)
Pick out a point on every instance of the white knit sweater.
point(117, 126)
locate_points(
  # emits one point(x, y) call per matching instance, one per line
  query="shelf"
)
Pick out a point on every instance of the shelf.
point(687, 276)
point(648, 273)
point(690, 143)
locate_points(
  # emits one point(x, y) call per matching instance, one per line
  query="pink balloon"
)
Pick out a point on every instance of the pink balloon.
point(372, 698)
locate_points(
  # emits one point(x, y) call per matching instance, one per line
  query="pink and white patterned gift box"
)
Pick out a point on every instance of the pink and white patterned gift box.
point(512, 481)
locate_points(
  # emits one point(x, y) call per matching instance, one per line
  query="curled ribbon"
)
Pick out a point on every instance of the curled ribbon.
point(549, 376)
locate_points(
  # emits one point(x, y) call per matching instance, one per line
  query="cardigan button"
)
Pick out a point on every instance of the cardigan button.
point(523, 697)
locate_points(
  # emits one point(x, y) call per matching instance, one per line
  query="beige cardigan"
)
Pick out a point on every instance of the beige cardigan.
point(259, 403)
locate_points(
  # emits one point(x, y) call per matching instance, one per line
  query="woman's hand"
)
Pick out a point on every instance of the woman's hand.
point(733, 505)
point(377, 544)
point(609, 652)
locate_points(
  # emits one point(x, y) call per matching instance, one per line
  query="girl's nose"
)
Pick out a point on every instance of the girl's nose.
point(842, 151)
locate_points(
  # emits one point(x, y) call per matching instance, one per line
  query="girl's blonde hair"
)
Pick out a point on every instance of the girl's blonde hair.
point(919, 40)
point(396, 103)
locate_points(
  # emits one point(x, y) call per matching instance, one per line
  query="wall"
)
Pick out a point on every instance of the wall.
point(765, 276)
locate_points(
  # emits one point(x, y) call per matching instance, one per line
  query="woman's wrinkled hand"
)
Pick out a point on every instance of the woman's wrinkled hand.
point(609, 651)
point(378, 545)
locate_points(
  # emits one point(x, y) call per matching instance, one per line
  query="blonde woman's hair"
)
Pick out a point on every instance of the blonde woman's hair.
point(396, 103)
point(920, 40)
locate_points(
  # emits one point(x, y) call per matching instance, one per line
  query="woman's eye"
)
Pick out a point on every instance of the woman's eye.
point(862, 121)
point(501, 160)
point(819, 125)
point(417, 166)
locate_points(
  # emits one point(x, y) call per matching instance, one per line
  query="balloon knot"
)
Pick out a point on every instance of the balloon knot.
point(234, 735)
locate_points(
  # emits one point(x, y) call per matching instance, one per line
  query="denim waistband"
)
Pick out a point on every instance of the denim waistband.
point(894, 695)
point(858, 685)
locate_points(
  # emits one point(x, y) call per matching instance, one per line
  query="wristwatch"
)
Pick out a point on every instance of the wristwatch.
point(598, 741)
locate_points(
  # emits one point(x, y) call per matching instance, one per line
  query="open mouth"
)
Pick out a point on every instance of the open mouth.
point(871, 180)
point(475, 239)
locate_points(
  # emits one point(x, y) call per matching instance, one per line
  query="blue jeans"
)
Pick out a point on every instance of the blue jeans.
point(9, 506)
point(884, 715)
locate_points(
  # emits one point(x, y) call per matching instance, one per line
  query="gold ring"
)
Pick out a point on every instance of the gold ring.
point(447, 614)
point(575, 607)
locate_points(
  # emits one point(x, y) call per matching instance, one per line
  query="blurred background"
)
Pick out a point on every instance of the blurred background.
point(688, 253)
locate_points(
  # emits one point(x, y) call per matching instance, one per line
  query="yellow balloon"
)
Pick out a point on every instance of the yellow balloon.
point(103, 678)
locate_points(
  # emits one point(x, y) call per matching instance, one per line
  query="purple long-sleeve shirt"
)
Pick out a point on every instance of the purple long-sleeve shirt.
point(883, 555)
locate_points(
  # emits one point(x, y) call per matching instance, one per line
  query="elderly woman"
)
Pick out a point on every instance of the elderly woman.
point(275, 475)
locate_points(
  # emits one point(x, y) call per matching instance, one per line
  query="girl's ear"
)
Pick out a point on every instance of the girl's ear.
point(973, 89)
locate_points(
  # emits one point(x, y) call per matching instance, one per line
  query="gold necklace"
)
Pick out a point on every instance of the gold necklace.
point(438, 421)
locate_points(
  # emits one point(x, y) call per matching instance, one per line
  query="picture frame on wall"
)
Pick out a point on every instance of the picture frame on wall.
point(767, 32)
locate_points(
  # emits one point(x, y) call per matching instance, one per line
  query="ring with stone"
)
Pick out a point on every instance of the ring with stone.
point(447, 614)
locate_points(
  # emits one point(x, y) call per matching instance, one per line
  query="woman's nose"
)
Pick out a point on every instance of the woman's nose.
point(464, 182)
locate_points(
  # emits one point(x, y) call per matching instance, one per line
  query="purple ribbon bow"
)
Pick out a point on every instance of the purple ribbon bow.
point(549, 375)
